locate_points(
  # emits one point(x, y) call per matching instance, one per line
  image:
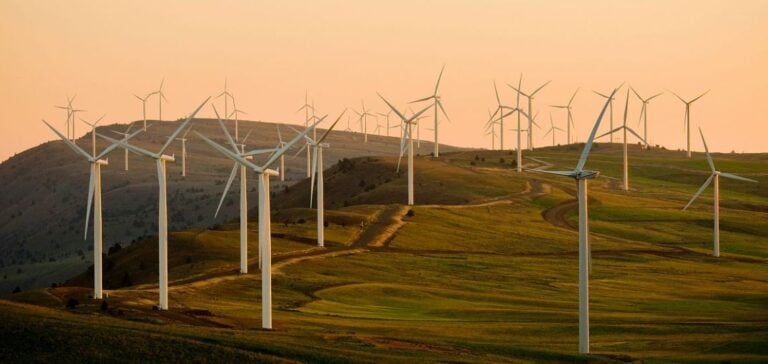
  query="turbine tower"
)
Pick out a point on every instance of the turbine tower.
point(499, 110)
point(716, 177)
point(125, 134)
point(687, 122)
point(226, 95)
point(317, 170)
point(363, 119)
point(436, 103)
point(626, 129)
point(381, 114)
point(162, 223)
point(581, 176)
point(94, 199)
point(569, 122)
point(264, 215)
point(644, 113)
point(407, 135)
point(184, 152)
point(236, 112)
point(610, 106)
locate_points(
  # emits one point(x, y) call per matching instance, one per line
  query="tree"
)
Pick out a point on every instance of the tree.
point(16, 290)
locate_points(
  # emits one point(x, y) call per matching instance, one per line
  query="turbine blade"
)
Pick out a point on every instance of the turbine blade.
point(559, 173)
point(91, 187)
point(740, 178)
point(69, 143)
point(706, 150)
point(181, 127)
point(574, 96)
point(439, 78)
point(421, 100)
point(701, 189)
point(654, 96)
point(235, 157)
point(312, 175)
point(226, 188)
point(700, 96)
point(226, 132)
point(588, 145)
point(260, 151)
point(331, 128)
point(290, 144)
point(496, 90)
point(540, 87)
point(392, 107)
point(636, 135)
point(113, 146)
point(279, 135)
point(440, 105)
point(124, 144)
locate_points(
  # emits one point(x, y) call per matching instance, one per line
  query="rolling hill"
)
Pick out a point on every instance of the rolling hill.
point(42, 202)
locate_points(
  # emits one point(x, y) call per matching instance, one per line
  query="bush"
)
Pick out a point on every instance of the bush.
point(16, 290)
point(72, 303)
point(410, 213)
point(501, 160)
point(104, 306)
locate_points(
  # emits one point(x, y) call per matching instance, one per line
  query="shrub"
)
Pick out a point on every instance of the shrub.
point(104, 306)
point(16, 290)
point(410, 213)
point(72, 303)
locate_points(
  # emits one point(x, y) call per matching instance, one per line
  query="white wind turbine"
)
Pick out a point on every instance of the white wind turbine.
point(500, 108)
point(610, 106)
point(307, 108)
point(226, 95)
point(160, 98)
point(626, 129)
point(552, 129)
point(94, 199)
point(236, 112)
point(716, 177)
point(281, 144)
point(144, 107)
point(406, 142)
point(569, 122)
point(184, 152)
point(265, 233)
point(581, 176)
point(363, 119)
point(644, 113)
point(240, 149)
point(317, 170)
point(162, 223)
point(530, 97)
point(436, 103)
point(518, 130)
point(125, 135)
point(490, 129)
point(687, 121)
point(71, 115)
point(349, 128)
point(384, 115)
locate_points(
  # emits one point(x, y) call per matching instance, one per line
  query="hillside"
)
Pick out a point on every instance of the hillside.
point(42, 202)
point(488, 273)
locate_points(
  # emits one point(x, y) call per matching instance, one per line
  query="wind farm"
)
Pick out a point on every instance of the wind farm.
point(282, 235)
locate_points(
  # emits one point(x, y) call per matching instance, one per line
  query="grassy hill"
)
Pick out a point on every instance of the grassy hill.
point(483, 269)
point(42, 202)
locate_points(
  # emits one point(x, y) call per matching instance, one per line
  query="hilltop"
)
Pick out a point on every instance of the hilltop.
point(42, 203)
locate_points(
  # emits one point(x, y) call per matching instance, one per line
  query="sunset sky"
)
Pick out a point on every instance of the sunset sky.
point(343, 52)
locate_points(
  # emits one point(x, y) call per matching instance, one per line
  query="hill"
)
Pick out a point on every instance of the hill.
point(492, 278)
point(42, 202)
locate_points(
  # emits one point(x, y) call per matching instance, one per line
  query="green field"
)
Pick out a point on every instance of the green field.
point(484, 270)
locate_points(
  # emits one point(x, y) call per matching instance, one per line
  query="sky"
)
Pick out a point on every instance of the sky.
point(344, 52)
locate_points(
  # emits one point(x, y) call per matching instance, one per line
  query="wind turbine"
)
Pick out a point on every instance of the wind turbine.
point(317, 170)
point(349, 129)
point(307, 107)
point(688, 117)
point(644, 113)
point(716, 177)
point(626, 129)
point(264, 216)
point(236, 112)
point(93, 131)
point(386, 116)
point(94, 199)
point(552, 129)
point(610, 105)
point(436, 103)
point(407, 135)
point(226, 95)
point(363, 118)
point(162, 223)
point(567, 107)
point(71, 114)
point(160, 98)
point(499, 110)
point(581, 176)
point(530, 110)
point(518, 130)
point(144, 107)
point(281, 144)
point(184, 152)
point(490, 129)
point(125, 135)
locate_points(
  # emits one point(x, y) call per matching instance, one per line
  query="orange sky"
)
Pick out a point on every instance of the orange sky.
point(345, 51)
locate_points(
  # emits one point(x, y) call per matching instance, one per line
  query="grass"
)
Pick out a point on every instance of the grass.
point(493, 281)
